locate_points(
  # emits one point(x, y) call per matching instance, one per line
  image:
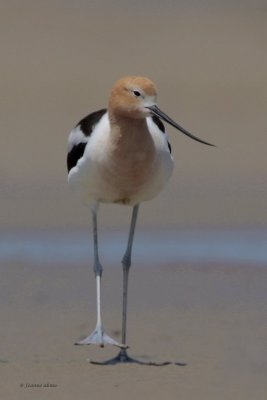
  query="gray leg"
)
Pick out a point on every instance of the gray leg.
point(123, 357)
point(126, 264)
point(98, 336)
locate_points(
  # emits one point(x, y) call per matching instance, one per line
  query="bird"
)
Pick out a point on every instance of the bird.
point(121, 155)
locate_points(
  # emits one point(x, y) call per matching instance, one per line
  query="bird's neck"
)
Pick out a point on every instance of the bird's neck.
point(129, 132)
point(131, 146)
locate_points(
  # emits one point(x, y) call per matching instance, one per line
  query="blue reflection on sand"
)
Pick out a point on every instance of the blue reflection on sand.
point(150, 248)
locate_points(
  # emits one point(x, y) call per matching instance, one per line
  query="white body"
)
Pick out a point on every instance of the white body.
point(121, 156)
point(99, 178)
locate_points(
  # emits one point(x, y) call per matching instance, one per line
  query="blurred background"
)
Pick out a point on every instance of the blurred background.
point(208, 59)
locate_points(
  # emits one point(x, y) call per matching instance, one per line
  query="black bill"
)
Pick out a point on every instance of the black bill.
point(155, 110)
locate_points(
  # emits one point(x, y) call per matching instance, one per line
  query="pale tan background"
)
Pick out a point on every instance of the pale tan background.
point(58, 61)
point(209, 61)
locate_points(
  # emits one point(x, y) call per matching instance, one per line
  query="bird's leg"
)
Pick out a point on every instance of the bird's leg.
point(98, 336)
point(123, 356)
point(126, 264)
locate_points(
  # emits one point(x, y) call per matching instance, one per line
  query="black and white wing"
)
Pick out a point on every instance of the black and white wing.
point(157, 121)
point(80, 136)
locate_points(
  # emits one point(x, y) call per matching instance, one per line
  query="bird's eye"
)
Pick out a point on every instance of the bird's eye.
point(136, 93)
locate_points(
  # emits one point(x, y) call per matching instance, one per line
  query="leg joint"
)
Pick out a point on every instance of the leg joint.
point(126, 261)
point(98, 269)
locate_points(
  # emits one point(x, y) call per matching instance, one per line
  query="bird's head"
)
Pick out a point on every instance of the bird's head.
point(130, 97)
point(135, 97)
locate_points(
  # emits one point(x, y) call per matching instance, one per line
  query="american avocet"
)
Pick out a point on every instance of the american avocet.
point(121, 155)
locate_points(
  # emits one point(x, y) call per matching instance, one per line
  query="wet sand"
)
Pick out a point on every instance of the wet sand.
point(211, 318)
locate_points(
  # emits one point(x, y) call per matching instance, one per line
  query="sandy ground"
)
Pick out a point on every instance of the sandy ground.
point(209, 61)
point(210, 318)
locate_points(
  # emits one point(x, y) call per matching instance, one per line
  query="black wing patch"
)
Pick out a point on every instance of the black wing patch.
point(87, 124)
point(159, 123)
point(75, 154)
point(161, 127)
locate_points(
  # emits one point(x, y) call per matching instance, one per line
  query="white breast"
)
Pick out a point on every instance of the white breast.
point(90, 176)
